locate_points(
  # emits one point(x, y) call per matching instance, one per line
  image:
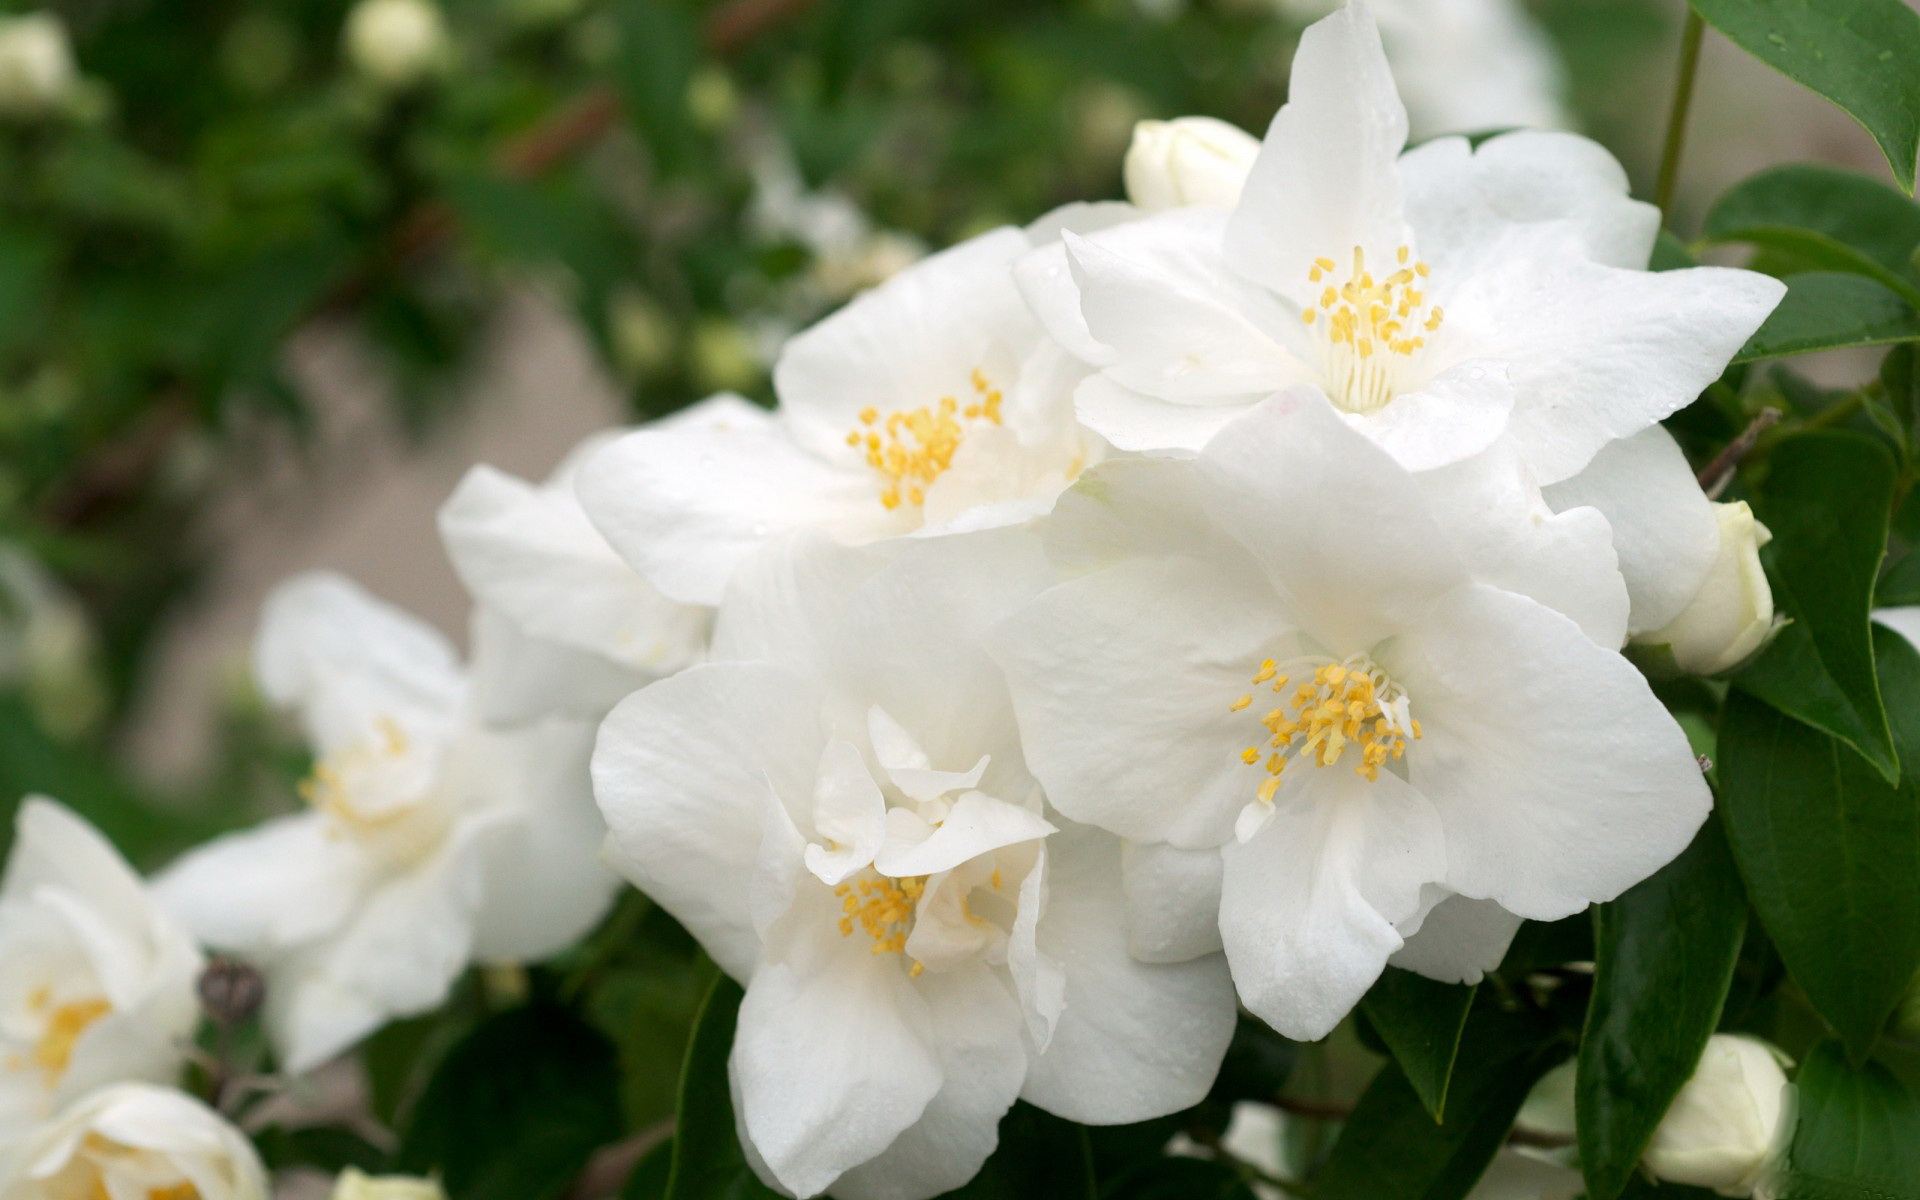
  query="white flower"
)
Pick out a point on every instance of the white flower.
point(99, 982)
point(931, 404)
point(1188, 161)
point(1731, 614)
point(352, 1185)
point(1466, 66)
point(36, 64)
point(430, 840)
point(134, 1140)
point(1729, 1123)
point(1279, 652)
point(1442, 299)
point(837, 807)
point(567, 625)
point(395, 42)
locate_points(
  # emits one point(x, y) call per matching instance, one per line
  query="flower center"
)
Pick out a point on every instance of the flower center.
point(1346, 705)
point(330, 787)
point(910, 448)
point(882, 908)
point(65, 1025)
point(103, 1147)
point(1369, 329)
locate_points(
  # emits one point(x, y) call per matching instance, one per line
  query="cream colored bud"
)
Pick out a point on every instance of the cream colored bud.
point(1730, 615)
point(1188, 161)
point(1728, 1124)
point(395, 42)
point(36, 64)
point(352, 1185)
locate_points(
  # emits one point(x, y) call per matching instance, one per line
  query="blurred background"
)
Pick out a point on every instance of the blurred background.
point(273, 273)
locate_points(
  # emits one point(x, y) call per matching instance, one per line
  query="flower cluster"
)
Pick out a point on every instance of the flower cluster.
point(1170, 606)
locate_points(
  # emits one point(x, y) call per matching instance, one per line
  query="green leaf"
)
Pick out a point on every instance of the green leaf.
point(1827, 501)
point(329, 1148)
point(1666, 954)
point(708, 1163)
point(1392, 1146)
point(1831, 219)
point(1830, 851)
point(1421, 1021)
point(1857, 1134)
point(1827, 310)
point(517, 1108)
point(1039, 1155)
point(649, 1178)
point(1901, 584)
point(1172, 1178)
point(1864, 55)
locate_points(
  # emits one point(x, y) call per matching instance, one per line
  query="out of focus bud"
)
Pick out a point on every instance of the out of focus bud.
point(1188, 161)
point(1729, 1122)
point(231, 991)
point(395, 42)
point(1730, 615)
point(352, 1185)
point(36, 64)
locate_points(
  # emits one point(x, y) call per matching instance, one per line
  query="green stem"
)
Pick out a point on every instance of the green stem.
point(1690, 39)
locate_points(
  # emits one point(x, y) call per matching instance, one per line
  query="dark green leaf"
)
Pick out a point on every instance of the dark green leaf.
point(1864, 55)
point(329, 1148)
point(516, 1108)
point(1039, 1155)
point(1826, 310)
point(649, 1178)
point(1900, 585)
point(708, 1163)
point(1789, 677)
point(1858, 1136)
point(1829, 850)
point(1667, 950)
point(1172, 1179)
point(1832, 219)
point(1827, 501)
point(1420, 1020)
point(1391, 1145)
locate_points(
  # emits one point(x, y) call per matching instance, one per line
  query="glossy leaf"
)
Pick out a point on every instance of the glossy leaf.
point(1858, 1133)
point(1829, 850)
point(650, 1174)
point(1864, 55)
point(1666, 955)
point(1171, 1179)
point(1827, 500)
point(708, 1163)
point(1421, 1021)
point(1900, 586)
point(1832, 219)
point(1392, 1146)
point(1829, 310)
point(516, 1108)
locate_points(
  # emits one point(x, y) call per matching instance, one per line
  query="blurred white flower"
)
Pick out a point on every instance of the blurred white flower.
point(1442, 300)
point(134, 1140)
point(931, 404)
point(837, 807)
point(36, 64)
point(352, 1185)
point(1188, 161)
point(98, 985)
point(1425, 752)
point(47, 645)
point(1731, 614)
point(396, 42)
point(430, 841)
point(1730, 1122)
point(565, 625)
point(1466, 66)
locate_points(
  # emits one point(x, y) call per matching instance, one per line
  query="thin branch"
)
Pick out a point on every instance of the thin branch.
point(1716, 475)
point(1669, 179)
point(607, 1172)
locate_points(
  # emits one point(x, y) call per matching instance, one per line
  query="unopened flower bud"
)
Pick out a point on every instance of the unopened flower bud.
point(1728, 618)
point(1729, 1122)
point(36, 64)
point(395, 42)
point(231, 991)
point(352, 1185)
point(1188, 161)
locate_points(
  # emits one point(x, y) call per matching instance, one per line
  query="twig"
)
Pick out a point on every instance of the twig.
point(1716, 475)
point(608, 1170)
point(1669, 179)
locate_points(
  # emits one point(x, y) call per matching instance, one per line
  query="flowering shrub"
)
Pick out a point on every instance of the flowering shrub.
point(1350, 608)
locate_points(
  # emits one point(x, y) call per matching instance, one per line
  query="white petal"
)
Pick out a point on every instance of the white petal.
point(1455, 415)
point(54, 847)
point(1308, 908)
point(1173, 901)
point(1135, 1040)
point(1134, 421)
point(1129, 508)
point(277, 885)
point(1664, 528)
point(976, 825)
point(1325, 179)
point(679, 774)
point(1123, 681)
point(1560, 779)
point(848, 814)
point(517, 678)
point(1459, 941)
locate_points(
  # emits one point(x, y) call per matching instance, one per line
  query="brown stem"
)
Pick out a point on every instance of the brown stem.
point(607, 1172)
point(1716, 475)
